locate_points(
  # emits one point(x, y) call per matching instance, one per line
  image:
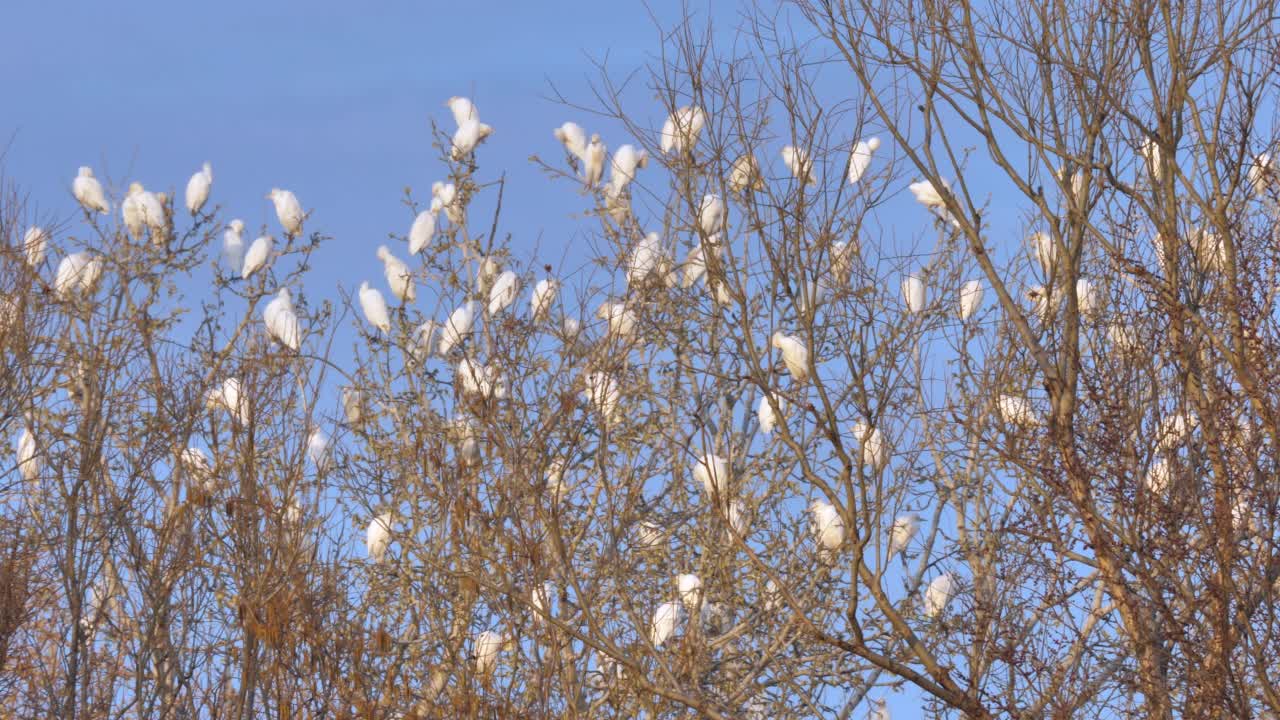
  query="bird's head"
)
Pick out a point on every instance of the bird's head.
point(284, 294)
point(86, 171)
point(275, 192)
point(777, 339)
point(135, 188)
point(873, 144)
point(383, 253)
point(237, 225)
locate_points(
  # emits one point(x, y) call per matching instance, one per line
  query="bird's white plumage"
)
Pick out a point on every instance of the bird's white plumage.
point(826, 525)
point(626, 160)
point(426, 340)
point(374, 307)
point(711, 215)
point(1261, 174)
point(399, 276)
point(913, 294)
point(902, 532)
point(745, 174)
point(875, 450)
point(459, 326)
point(860, 158)
point(794, 355)
point(544, 296)
point(421, 232)
point(483, 380)
point(318, 449)
point(505, 290)
point(593, 162)
point(1158, 476)
point(444, 196)
point(198, 189)
point(258, 255)
point(28, 456)
point(667, 619)
point(970, 298)
point(282, 321)
point(1088, 301)
point(35, 242)
point(603, 392)
point(463, 110)
point(378, 537)
point(1046, 251)
point(352, 405)
point(681, 130)
point(77, 273)
point(799, 164)
point(766, 414)
point(927, 195)
point(469, 135)
point(621, 319)
point(689, 587)
point(233, 246)
point(938, 594)
point(487, 646)
point(713, 472)
point(288, 211)
point(646, 258)
point(195, 462)
point(88, 192)
point(574, 139)
point(229, 397)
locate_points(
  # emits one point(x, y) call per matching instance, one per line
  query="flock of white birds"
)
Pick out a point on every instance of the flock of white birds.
point(146, 214)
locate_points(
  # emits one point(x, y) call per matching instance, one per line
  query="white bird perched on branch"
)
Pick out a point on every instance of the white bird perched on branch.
point(574, 139)
point(487, 646)
point(282, 321)
point(229, 397)
point(626, 160)
point(1261, 174)
point(542, 600)
point(860, 158)
point(766, 415)
point(459, 325)
point(826, 525)
point(929, 196)
point(603, 392)
point(233, 245)
point(1046, 251)
point(399, 276)
point(318, 449)
point(1156, 480)
point(288, 211)
point(199, 469)
point(374, 307)
point(141, 211)
point(970, 298)
point(468, 136)
point(646, 258)
point(689, 586)
point(711, 215)
point(463, 110)
point(1016, 410)
point(198, 189)
point(902, 533)
point(875, 451)
point(378, 537)
point(257, 257)
point(88, 192)
point(797, 161)
point(544, 296)
point(593, 162)
point(505, 290)
point(28, 455)
point(352, 405)
point(78, 272)
point(444, 196)
point(938, 594)
point(745, 174)
point(487, 270)
point(482, 380)
point(420, 233)
point(794, 355)
point(425, 342)
point(913, 294)
point(713, 472)
point(667, 619)
point(1150, 151)
point(621, 319)
point(35, 241)
point(681, 130)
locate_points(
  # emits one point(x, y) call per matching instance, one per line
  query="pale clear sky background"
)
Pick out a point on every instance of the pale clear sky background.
point(331, 100)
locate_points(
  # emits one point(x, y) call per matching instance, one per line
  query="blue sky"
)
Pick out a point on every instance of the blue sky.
point(331, 103)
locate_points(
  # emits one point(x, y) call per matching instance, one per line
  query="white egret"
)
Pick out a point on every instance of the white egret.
point(681, 130)
point(29, 461)
point(505, 290)
point(352, 405)
point(794, 355)
point(444, 196)
point(860, 158)
point(198, 188)
point(542, 599)
point(622, 320)
point(593, 162)
point(826, 525)
point(689, 586)
point(1046, 250)
point(88, 192)
point(645, 259)
point(745, 174)
point(142, 210)
point(1150, 152)
point(649, 534)
point(1210, 253)
point(765, 412)
point(35, 241)
point(318, 449)
point(1087, 300)
point(879, 710)
point(544, 296)
point(913, 294)
point(1158, 476)
point(902, 533)
point(459, 325)
point(1016, 410)
point(463, 110)
point(797, 161)
point(195, 462)
point(374, 307)
point(626, 160)
point(875, 450)
point(78, 272)
point(378, 537)
point(1261, 174)
point(281, 320)
point(711, 215)
point(574, 139)
point(713, 472)
point(695, 267)
point(422, 230)
point(288, 211)
point(554, 477)
point(228, 397)
point(482, 380)
point(603, 392)
point(257, 257)
point(233, 245)
point(1043, 304)
point(970, 298)
point(468, 136)
point(399, 276)
point(737, 517)
point(938, 594)
point(426, 339)
point(1175, 429)
point(926, 194)
point(842, 256)
point(487, 646)
point(666, 620)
